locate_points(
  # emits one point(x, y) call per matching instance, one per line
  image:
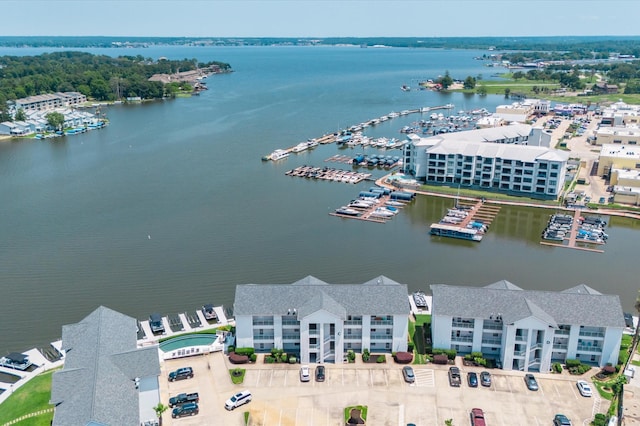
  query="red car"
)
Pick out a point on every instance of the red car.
point(477, 417)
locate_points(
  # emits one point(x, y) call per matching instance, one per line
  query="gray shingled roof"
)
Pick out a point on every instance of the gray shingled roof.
point(566, 307)
point(376, 297)
point(101, 363)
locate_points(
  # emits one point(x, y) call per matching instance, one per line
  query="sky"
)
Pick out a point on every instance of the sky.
point(319, 18)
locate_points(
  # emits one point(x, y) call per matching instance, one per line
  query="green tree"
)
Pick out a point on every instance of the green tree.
point(518, 75)
point(469, 83)
point(445, 81)
point(507, 92)
point(482, 90)
point(20, 115)
point(55, 120)
point(160, 409)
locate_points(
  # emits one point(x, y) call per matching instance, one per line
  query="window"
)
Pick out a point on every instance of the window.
point(387, 345)
point(388, 331)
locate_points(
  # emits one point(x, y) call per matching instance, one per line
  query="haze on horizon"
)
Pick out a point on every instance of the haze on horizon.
point(319, 18)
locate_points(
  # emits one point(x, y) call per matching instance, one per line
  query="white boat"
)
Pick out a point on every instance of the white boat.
point(302, 146)
point(312, 143)
point(347, 211)
point(393, 115)
point(359, 204)
point(382, 212)
point(394, 203)
point(279, 154)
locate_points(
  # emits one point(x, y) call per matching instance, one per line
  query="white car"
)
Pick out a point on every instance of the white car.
point(584, 388)
point(305, 375)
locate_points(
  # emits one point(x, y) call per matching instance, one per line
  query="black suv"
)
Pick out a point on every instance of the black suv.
point(181, 373)
point(188, 409)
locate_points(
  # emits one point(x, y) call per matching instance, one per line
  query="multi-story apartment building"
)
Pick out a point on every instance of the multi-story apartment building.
point(51, 101)
point(618, 157)
point(532, 171)
point(320, 322)
point(616, 136)
point(528, 330)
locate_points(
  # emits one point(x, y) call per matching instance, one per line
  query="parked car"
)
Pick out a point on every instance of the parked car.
point(531, 382)
point(477, 417)
point(407, 372)
point(454, 377)
point(320, 373)
point(238, 399)
point(472, 379)
point(188, 409)
point(584, 388)
point(209, 312)
point(183, 398)
point(561, 420)
point(305, 375)
point(181, 373)
point(485, 378)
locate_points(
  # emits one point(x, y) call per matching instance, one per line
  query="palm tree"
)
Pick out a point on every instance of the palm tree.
point(160, 409)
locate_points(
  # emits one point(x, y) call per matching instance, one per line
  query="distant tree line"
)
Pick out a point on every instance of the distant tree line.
point(98, 77)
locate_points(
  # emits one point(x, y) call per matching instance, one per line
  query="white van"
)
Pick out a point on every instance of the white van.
point(238, 399)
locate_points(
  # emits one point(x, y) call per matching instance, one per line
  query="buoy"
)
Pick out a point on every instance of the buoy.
point(149, 236)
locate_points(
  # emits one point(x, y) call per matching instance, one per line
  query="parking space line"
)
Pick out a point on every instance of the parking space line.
point(574, 393)
point(285, 378)
point(258, 381)
point(264, 416)
point(371, 376)
point(280, 418)
point(342, 376)
point(271, 378)
point(386, 377)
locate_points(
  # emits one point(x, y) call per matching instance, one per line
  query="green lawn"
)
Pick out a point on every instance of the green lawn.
point(29, 398)
point(362, 408)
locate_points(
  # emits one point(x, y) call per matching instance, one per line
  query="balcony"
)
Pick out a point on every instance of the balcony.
point(587, 348)
point(291, 337)
point(491, 342)
point(519, 353)
point(462, 339)
point(381, 337)
point(314, 332)
point(592, 334)
point(263, 337)
point(381, 322)
point(492, 326)
point(353, 322)
point(290, 322)
point(562, 332)
point(263, 322)
point(560, 346)
point(461, 324)
point(353, 336)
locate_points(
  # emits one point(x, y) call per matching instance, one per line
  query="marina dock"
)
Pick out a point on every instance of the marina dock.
point(576, 235)
point(331, 137)
point(466, 222)
point(328, 174)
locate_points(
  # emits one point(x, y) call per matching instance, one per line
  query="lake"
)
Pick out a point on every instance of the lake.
point(170, 206)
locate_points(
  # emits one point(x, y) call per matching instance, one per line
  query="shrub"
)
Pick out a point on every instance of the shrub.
point(476, 355)
point(284, 357)
point(366, 356)
point(410, 347)
point(403, 357)
point(269, 359)
point(480, 361)
point(276, 352)
point(231, 349)
point(351, 355)
point(253, 357)
point(468, 357)
point(237, 375)
point(245, 351)
point(557, 367)
point(599, 420)
point(381, 359)
point(235, 358)
point(572, 363)
point(292, 360)
point(451, 353)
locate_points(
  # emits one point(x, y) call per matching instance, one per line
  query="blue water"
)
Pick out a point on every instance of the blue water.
point(170, 207)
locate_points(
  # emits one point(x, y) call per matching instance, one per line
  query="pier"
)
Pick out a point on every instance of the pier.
point(331, 137)
point(572, 241)
point(466, 222)
point(372, 213)
point(328, 174)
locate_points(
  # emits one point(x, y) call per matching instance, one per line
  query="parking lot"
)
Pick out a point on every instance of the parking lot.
point(279, 398)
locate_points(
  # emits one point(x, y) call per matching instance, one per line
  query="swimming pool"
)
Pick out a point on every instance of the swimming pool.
point(187, 340)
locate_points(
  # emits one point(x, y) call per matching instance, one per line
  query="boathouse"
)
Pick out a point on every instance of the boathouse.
point(320, 322)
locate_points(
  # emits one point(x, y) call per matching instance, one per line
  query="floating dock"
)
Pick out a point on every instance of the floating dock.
point(573, 240)
point(328, 174)
point(466, 222)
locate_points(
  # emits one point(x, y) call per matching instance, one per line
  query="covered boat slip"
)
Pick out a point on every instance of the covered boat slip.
point(454, 231)
point(16, 361)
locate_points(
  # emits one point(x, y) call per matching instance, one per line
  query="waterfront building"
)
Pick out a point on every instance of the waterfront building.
point(618, 157)
point(488, 159)
point(618, 135)
point(320, 322)
point(520, 112)
point(50, 101)
point(106, 379)
point(528, 330)
point(620, 114)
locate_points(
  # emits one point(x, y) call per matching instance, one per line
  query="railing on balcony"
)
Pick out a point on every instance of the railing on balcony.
point(461, 324)
point(586, 348)
point(462, 339)
point(314, 346)
point(290, 322)
point(291, 336)
point(521, 338)
point(592, 333)
point(262, 322)
point(353, 322)
point(314, 332)
point(536, 346)
point(381, 322)
point(381, 337)
point(562, 332)
point(492, 326)
point(560, 346)
point(492, 342)
point(353, 336)
point(263, 337)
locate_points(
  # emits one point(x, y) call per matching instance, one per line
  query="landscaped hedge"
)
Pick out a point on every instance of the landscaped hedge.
point(576, 367)
point(450, 353)
point(245, 351)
